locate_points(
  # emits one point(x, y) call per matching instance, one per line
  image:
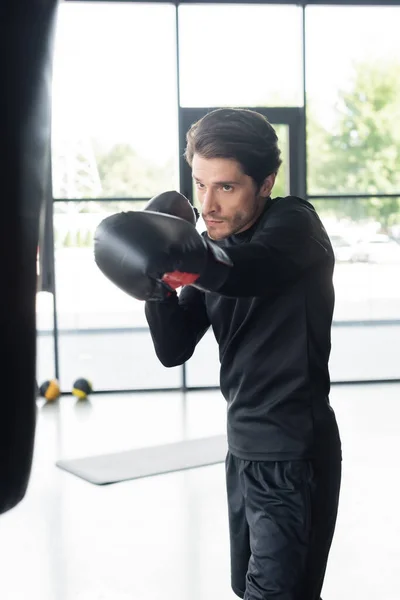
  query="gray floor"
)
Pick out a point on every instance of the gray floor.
point(166, 538)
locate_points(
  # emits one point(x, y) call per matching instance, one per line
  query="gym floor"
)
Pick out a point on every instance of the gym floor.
point(166, 537)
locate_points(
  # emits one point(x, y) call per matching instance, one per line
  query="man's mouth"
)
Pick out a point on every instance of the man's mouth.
point(212, 221)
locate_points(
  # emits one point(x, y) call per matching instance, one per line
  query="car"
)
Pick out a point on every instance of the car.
point(342, 248)
point(379, 248)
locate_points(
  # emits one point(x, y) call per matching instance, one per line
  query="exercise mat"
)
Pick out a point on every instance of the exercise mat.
point(146, 462)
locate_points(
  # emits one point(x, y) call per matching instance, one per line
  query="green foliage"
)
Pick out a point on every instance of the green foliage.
point(123, 173)
point(79, 239)
point(361, 153)
point(68, 241)
point(88, 239)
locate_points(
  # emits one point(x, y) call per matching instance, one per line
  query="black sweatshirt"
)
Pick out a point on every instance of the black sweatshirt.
point(272, 320)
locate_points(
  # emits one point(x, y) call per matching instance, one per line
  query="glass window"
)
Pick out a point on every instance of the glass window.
point(103, 333)
point(203, 367)
point(45, 360)
point(115, 131)
point(282, 182)
point(240, 55)
point(353, 90)
point(365, 235)
point(113, 359)
point(365, 353)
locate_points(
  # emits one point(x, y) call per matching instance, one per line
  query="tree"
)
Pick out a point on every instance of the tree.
point(361, 154)
point(123, 173)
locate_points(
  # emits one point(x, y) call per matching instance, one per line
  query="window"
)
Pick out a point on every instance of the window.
point(115, 139)
point(240, 55)
point(45, 359)
point(114, 101)
point(103, 333)
point(353, 90)
point(365, 235)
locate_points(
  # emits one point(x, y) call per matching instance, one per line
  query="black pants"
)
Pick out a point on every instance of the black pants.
point(282, 517)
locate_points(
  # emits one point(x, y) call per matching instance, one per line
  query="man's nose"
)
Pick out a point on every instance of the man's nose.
point(209, 202)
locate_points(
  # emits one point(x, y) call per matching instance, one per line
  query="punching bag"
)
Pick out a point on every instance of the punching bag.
point(26, 49)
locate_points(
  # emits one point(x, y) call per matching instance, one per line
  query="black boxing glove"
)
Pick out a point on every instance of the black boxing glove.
point(175, 204)
point(144, 250)
point(134, 282)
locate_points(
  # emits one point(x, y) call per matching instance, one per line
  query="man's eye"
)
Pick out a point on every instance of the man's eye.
point(227, 188)
point(199, 185)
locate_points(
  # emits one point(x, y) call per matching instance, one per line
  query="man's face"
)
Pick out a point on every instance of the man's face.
point(229, 199)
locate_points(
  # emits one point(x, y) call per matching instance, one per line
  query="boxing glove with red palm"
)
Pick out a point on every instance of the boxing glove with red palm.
point(148, 254)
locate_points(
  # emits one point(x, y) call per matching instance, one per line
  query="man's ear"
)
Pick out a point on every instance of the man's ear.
point(267, 185)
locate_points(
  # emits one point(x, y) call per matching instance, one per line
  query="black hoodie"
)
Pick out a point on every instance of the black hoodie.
point(272, 320)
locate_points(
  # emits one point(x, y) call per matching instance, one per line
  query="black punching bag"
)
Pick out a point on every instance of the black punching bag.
point(26, 48)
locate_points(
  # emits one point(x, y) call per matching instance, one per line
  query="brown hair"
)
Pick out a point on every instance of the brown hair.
point(239, 134)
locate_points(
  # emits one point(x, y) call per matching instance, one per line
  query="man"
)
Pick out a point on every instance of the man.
point(261, 277)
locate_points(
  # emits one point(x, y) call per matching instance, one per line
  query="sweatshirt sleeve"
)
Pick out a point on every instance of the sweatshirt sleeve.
point(288, 244)
point(177, 325)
